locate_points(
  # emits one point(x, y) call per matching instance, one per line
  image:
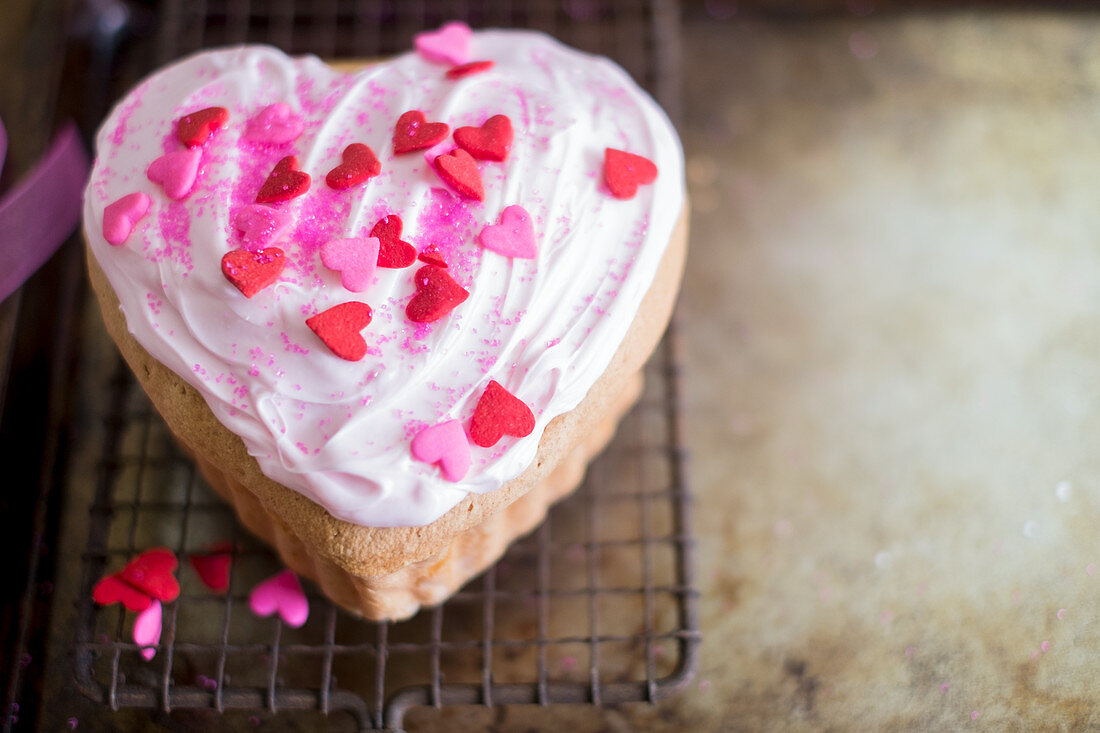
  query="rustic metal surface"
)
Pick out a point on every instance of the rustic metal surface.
point(893, 326)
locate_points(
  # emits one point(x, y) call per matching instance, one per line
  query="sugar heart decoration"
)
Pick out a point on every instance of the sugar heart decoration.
point(149, 575)
point(281, 594)
point(444, 444)
point(359, 164)
point(437, 294)
point(120, 217)
point(432, 256)
point(196, 128)
point(448, 45)
point(354, 258)
point(151, 572)
point(275, 124)
point(474, 67)
point(459, 170)
point(213, 567)
point(491, 141)
point(414, 132)
point(147, 627)
point(250, 272)
point(285, 182)
point(339, 327)
point(176, 172)
point(393, 252)
point(499, 413)
point(624, 172)
point(514, 236)
point(260, 225)
point(435, 151)
point(113, 589)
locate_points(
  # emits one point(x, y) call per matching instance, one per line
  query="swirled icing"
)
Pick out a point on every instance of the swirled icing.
point(545, 328)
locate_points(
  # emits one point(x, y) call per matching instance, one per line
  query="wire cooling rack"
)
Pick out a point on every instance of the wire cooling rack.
point(596, 606)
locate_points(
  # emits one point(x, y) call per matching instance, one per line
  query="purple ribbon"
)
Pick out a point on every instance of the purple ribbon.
point(40, 212)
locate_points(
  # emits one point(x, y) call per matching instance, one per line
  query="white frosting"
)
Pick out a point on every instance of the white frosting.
point(546, 329)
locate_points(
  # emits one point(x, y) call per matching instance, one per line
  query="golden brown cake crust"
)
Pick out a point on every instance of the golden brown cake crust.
point(376, 551)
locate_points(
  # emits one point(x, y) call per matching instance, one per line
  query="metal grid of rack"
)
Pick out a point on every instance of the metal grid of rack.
point(596, 606)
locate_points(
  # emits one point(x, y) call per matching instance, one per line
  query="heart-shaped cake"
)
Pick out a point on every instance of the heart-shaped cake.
point(228, 294)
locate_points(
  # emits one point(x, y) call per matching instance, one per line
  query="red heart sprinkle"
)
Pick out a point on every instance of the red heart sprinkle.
point(392, 251)
point(151, 573)
point(499, 413)
point(414, 132)
point(459, 170)
point(250, 271)
point(474, 67)
point(113, 589)
point(213, 568)
point(359, 164)
point(284, 183)
point(491, 141)
point(624, 172)
point(437, 294)
point(196, 128)
point(432, 256)
point(339, 328)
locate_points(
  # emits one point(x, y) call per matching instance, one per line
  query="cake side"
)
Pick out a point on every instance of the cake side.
point(371, 552)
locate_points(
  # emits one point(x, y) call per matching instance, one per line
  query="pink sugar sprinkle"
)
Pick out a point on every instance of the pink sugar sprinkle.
point(974, 715)
point(1090, 568)
point(412, 427)
point(292, 347)
point(175, 227)
point(126, 112)
point(448, 223)
point(320, 218)
point(1045, 646)
point(1061, 613)
point(944, 687)
point(552, 343)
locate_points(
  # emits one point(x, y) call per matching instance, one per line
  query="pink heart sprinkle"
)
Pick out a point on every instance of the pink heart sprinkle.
point(448, 45)
point(354, 258)
point(437, 150)
point(445, 444)
point(120, 217)
point(176, 172)
point(514, 236)
point(260, 225)
point(282, 594)
point(276, 124)
point(147, 630)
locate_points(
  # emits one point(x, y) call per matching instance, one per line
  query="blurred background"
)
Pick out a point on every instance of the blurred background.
point(889, 330)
